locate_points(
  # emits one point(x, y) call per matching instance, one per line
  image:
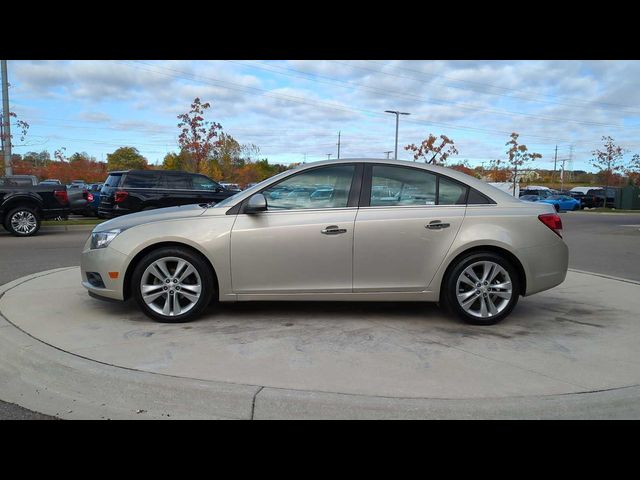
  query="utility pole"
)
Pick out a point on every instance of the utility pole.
point(388, 153)
point(338, 145)
point(6, 122)
point(397, 114)
point(571, 163)
point(562, 175)
point(555, 160)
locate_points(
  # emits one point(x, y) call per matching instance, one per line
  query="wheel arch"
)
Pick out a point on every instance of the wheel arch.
point(20, 201)
point(512, 258)
point(126, 286)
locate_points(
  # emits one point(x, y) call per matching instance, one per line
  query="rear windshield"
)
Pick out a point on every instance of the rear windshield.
point(113, 180)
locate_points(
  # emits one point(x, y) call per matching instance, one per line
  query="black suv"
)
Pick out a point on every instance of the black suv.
point(132, 191)
point(595, 198)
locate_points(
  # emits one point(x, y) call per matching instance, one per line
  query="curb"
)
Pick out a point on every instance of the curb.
point(49, 380)
point(609, 277)
point(66, 228)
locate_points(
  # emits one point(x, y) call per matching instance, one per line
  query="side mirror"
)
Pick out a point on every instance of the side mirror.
point(257, 203)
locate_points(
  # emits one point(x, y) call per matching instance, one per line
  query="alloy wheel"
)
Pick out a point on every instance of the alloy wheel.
point(23, 222)
point(484, 289)
point(170, 286)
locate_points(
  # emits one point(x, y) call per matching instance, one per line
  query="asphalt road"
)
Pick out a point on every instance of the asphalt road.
point(601, 243)
point(22, 256)
point(604, 243)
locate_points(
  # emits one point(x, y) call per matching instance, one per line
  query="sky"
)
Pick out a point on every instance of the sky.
point(293, 110)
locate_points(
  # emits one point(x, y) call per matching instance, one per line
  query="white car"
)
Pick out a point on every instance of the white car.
point(391, 231)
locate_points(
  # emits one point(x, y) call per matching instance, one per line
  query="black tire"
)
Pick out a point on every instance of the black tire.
point(25, 211)
point(448, 292)
point(199, 264)
point(557, 207)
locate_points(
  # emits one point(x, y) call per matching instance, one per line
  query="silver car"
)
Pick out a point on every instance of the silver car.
point(390, 231)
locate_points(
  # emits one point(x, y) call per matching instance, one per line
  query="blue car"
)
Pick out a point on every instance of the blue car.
point(92, 208)
point(562, 202)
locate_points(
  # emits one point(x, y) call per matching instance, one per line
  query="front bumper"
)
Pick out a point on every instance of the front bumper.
point(103, 261)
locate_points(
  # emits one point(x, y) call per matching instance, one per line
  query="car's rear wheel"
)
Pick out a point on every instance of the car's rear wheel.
point(173, 284)
point(481, 288)
point(22, 222)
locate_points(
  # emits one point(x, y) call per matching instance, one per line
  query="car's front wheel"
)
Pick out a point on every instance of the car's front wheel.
point(173, 284)
point(481, 288)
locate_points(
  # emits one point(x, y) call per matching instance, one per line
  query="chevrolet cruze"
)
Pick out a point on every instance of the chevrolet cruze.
point(378, 230)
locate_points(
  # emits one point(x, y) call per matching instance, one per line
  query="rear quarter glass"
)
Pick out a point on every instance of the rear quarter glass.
point(113, 180)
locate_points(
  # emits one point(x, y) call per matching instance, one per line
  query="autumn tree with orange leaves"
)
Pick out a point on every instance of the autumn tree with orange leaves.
point(198, 137)
point(433, 151)
point(518, 155)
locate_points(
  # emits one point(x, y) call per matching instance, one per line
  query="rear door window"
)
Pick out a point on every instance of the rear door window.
point(141, 179)
point(400, 186)
point(178, 181)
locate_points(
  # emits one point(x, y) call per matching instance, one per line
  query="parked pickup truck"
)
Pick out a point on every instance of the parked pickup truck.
point(23, 207)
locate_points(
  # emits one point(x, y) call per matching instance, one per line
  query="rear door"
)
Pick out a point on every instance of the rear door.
point(407, 221)
point(177, 189)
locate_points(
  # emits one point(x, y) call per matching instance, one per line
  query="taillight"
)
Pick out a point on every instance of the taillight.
point(61, 196)
point(120, 196)
point(553, 221)
point(90, 197)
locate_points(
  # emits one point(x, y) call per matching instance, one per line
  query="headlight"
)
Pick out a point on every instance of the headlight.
point(103, 239)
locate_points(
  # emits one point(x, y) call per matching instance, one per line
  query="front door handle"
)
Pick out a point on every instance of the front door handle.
point(333, 230)
point(436, 225)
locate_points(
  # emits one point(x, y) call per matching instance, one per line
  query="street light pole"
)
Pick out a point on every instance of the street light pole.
point(397, 114)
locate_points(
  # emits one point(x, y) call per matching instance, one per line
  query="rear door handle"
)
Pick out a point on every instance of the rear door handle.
point(333, 230)
point(436, 225)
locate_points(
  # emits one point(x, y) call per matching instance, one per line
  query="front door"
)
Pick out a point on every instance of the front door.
point(303, 243)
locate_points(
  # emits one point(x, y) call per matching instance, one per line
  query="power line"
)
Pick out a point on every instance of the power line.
point(292, 98)
point(530, 97)
point(432, 100)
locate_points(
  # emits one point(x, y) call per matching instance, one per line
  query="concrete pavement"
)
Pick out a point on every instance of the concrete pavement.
point(567, 353)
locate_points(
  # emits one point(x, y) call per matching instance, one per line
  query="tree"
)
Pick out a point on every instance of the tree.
point(78, 157)
point(126, 158)
point(59, 154)
point(176, 161)
point(22, 126)
point(228, 156)
point(37, 159)
point(432, 153)
point(497, 170)
point(518, 155)
point(633, 170)
point(609, 160)
point(197, 136)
